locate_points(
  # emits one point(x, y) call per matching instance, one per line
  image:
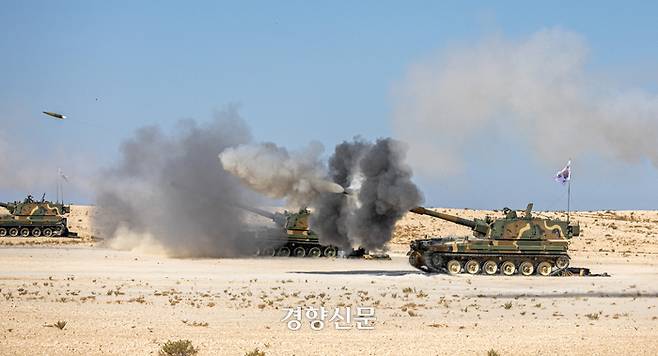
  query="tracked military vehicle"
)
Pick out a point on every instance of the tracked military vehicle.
point(299, 240)
point(507, 245)
point(30, 218)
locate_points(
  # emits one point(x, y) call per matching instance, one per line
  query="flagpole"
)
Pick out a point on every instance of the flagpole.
point(568, 199)
point(58, 184)
point(569, 192)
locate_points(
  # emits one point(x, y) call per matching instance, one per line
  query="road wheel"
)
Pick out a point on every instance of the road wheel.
point(330, 251)
point(544, 268)
point(25, 232)
point(299, 252)
point(472, 266)
point(434, 262)
point(269, 252)
point(36, 232)
point(526, 268)
point(13, 232)
point(3, 232)
point(47, 232)
point(283, 252)
point(414, 259)
point(562, 262)
point(315, 252)
point(490, 267)
point(454, 267)
point(508, 268)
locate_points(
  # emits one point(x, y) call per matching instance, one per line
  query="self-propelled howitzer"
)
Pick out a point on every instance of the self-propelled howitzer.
point(509, 244)
point(298, 239)
point(34, 218)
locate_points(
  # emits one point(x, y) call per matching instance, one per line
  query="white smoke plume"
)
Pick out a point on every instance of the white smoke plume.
point(537, 87)
point(299, 177)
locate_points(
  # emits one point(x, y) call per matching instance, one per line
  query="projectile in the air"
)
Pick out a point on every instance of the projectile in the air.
point(55, 115)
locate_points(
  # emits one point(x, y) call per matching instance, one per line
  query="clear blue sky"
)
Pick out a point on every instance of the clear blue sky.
point(300, 71)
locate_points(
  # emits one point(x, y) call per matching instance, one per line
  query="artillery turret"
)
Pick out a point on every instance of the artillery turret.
point(34, 218)
point(509, 244)
point(298, 239)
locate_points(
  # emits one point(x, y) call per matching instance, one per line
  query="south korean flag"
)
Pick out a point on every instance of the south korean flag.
point(564, 175)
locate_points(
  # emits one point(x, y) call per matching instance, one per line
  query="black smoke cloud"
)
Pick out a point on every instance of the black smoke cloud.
point(382, 193)
point(386, 194)
point(168, 192)
point(333, 210)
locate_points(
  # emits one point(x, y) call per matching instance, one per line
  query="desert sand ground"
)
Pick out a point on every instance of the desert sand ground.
point(122, 302)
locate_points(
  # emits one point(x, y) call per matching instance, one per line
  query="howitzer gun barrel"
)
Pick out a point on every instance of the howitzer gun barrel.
point(260, 212)
point(455, 219)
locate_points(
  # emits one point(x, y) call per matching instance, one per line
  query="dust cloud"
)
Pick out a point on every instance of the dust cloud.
point(168, 192)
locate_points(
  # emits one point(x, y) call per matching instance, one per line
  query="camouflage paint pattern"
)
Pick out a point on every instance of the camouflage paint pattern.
point(34, 216)
point(510, 238)
point(512, 227)
point(298, 235)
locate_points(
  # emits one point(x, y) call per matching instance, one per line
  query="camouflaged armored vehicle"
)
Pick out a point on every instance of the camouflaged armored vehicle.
point(34, 218)
point(507, 245)
point(299, 240)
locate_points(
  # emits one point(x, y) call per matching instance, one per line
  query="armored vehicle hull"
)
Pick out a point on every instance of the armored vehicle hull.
point(479, 256)
point(296, 239)
point(525, 245)
point(296, 246)
point(30, 218)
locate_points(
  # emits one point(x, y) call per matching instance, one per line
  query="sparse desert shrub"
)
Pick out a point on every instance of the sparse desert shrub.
point(436, 325)
point(60, 324)
point(178, 348)
point(255, 352)
point(592, 316)
point(507, 305)
point(492, 352)
point(139, 300)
